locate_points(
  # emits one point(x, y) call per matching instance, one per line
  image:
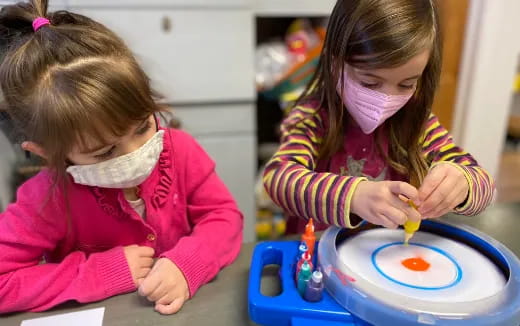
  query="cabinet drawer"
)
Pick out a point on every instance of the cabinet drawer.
point(212, 119)
point(54, 5)
point(293, 8)
point(190, 55)
point(161, 3)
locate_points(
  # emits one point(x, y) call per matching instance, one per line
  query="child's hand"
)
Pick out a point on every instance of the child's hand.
point(443, 189)
point(166, 286)
point(140, 261)
point(379, 203)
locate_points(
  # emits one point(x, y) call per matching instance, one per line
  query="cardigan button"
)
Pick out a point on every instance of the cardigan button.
point(151, 237)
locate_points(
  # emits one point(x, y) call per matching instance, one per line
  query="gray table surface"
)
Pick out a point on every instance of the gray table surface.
point(224, 301)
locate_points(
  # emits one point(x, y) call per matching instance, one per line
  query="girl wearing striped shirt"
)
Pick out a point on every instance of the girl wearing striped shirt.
point(362, 138)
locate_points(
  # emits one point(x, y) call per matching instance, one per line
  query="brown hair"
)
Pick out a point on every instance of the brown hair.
point(69, 82)
point(372, 34)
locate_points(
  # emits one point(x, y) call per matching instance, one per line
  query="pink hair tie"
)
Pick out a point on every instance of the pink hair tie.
point(39, 22)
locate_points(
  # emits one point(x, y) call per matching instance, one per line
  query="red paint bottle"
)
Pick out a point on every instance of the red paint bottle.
point(306, 257)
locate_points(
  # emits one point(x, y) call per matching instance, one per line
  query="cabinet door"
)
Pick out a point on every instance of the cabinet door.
point(190, 55)
point(235, 157)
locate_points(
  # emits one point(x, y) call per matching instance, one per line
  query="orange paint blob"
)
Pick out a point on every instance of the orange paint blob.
point(416, 264)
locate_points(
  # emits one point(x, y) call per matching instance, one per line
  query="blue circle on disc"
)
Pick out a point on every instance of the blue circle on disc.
point(442, 252)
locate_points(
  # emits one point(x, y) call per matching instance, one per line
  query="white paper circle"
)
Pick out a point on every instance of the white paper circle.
point(456, 272)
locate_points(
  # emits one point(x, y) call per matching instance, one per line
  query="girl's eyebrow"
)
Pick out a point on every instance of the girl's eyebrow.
point(413, 77)
point(368, 74)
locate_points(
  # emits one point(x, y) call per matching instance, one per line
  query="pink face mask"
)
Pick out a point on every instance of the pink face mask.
point(368, 107)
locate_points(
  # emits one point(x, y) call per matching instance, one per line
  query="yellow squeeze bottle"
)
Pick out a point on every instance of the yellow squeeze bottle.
point(410, 227)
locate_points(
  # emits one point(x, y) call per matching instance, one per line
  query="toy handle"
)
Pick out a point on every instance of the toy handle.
point(263, 255)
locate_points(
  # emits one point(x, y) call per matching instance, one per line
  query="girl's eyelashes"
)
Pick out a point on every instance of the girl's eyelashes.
point(369, 85)
point(144, 129)
point(377, 85)
point(141, 131)
point(407, 86)
point(106, 154)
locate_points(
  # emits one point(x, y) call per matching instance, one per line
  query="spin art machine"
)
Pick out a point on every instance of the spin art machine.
point(448, 275)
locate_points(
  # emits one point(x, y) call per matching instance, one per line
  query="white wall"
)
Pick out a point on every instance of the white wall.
point(489, 63)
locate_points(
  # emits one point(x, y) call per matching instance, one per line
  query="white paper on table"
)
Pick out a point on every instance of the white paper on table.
point(91, 317)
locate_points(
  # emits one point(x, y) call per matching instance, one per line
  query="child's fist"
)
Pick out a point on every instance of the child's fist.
point(140, 261)
point(166, 286)
point(444, 188)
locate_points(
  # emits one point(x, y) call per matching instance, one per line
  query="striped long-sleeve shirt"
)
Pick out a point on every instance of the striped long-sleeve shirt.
point(307, 187)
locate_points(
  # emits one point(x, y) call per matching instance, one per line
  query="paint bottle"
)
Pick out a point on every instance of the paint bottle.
point(314, 290)
point(410, 227)
point(306, 257)
point(304, 276)
point(309, 237)
point(302, 248)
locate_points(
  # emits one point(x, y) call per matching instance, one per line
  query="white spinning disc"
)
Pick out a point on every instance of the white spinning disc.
point(431, 268)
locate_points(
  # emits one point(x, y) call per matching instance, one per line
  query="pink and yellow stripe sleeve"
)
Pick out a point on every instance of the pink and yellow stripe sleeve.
point(291, 181)
point(439, 148)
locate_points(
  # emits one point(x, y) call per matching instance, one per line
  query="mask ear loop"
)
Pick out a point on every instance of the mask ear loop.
point(157, 122)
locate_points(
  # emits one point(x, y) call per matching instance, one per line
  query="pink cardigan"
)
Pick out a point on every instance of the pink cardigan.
point(191, 218)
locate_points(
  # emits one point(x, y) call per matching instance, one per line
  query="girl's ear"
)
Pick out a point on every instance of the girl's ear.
point(34, 148)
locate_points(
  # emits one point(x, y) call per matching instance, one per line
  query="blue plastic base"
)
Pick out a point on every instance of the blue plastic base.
point(289, 308)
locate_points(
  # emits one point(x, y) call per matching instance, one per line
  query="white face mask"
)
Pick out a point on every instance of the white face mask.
point(122, 172)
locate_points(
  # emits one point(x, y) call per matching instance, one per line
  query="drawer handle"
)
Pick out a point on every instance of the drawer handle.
point(166, 24)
